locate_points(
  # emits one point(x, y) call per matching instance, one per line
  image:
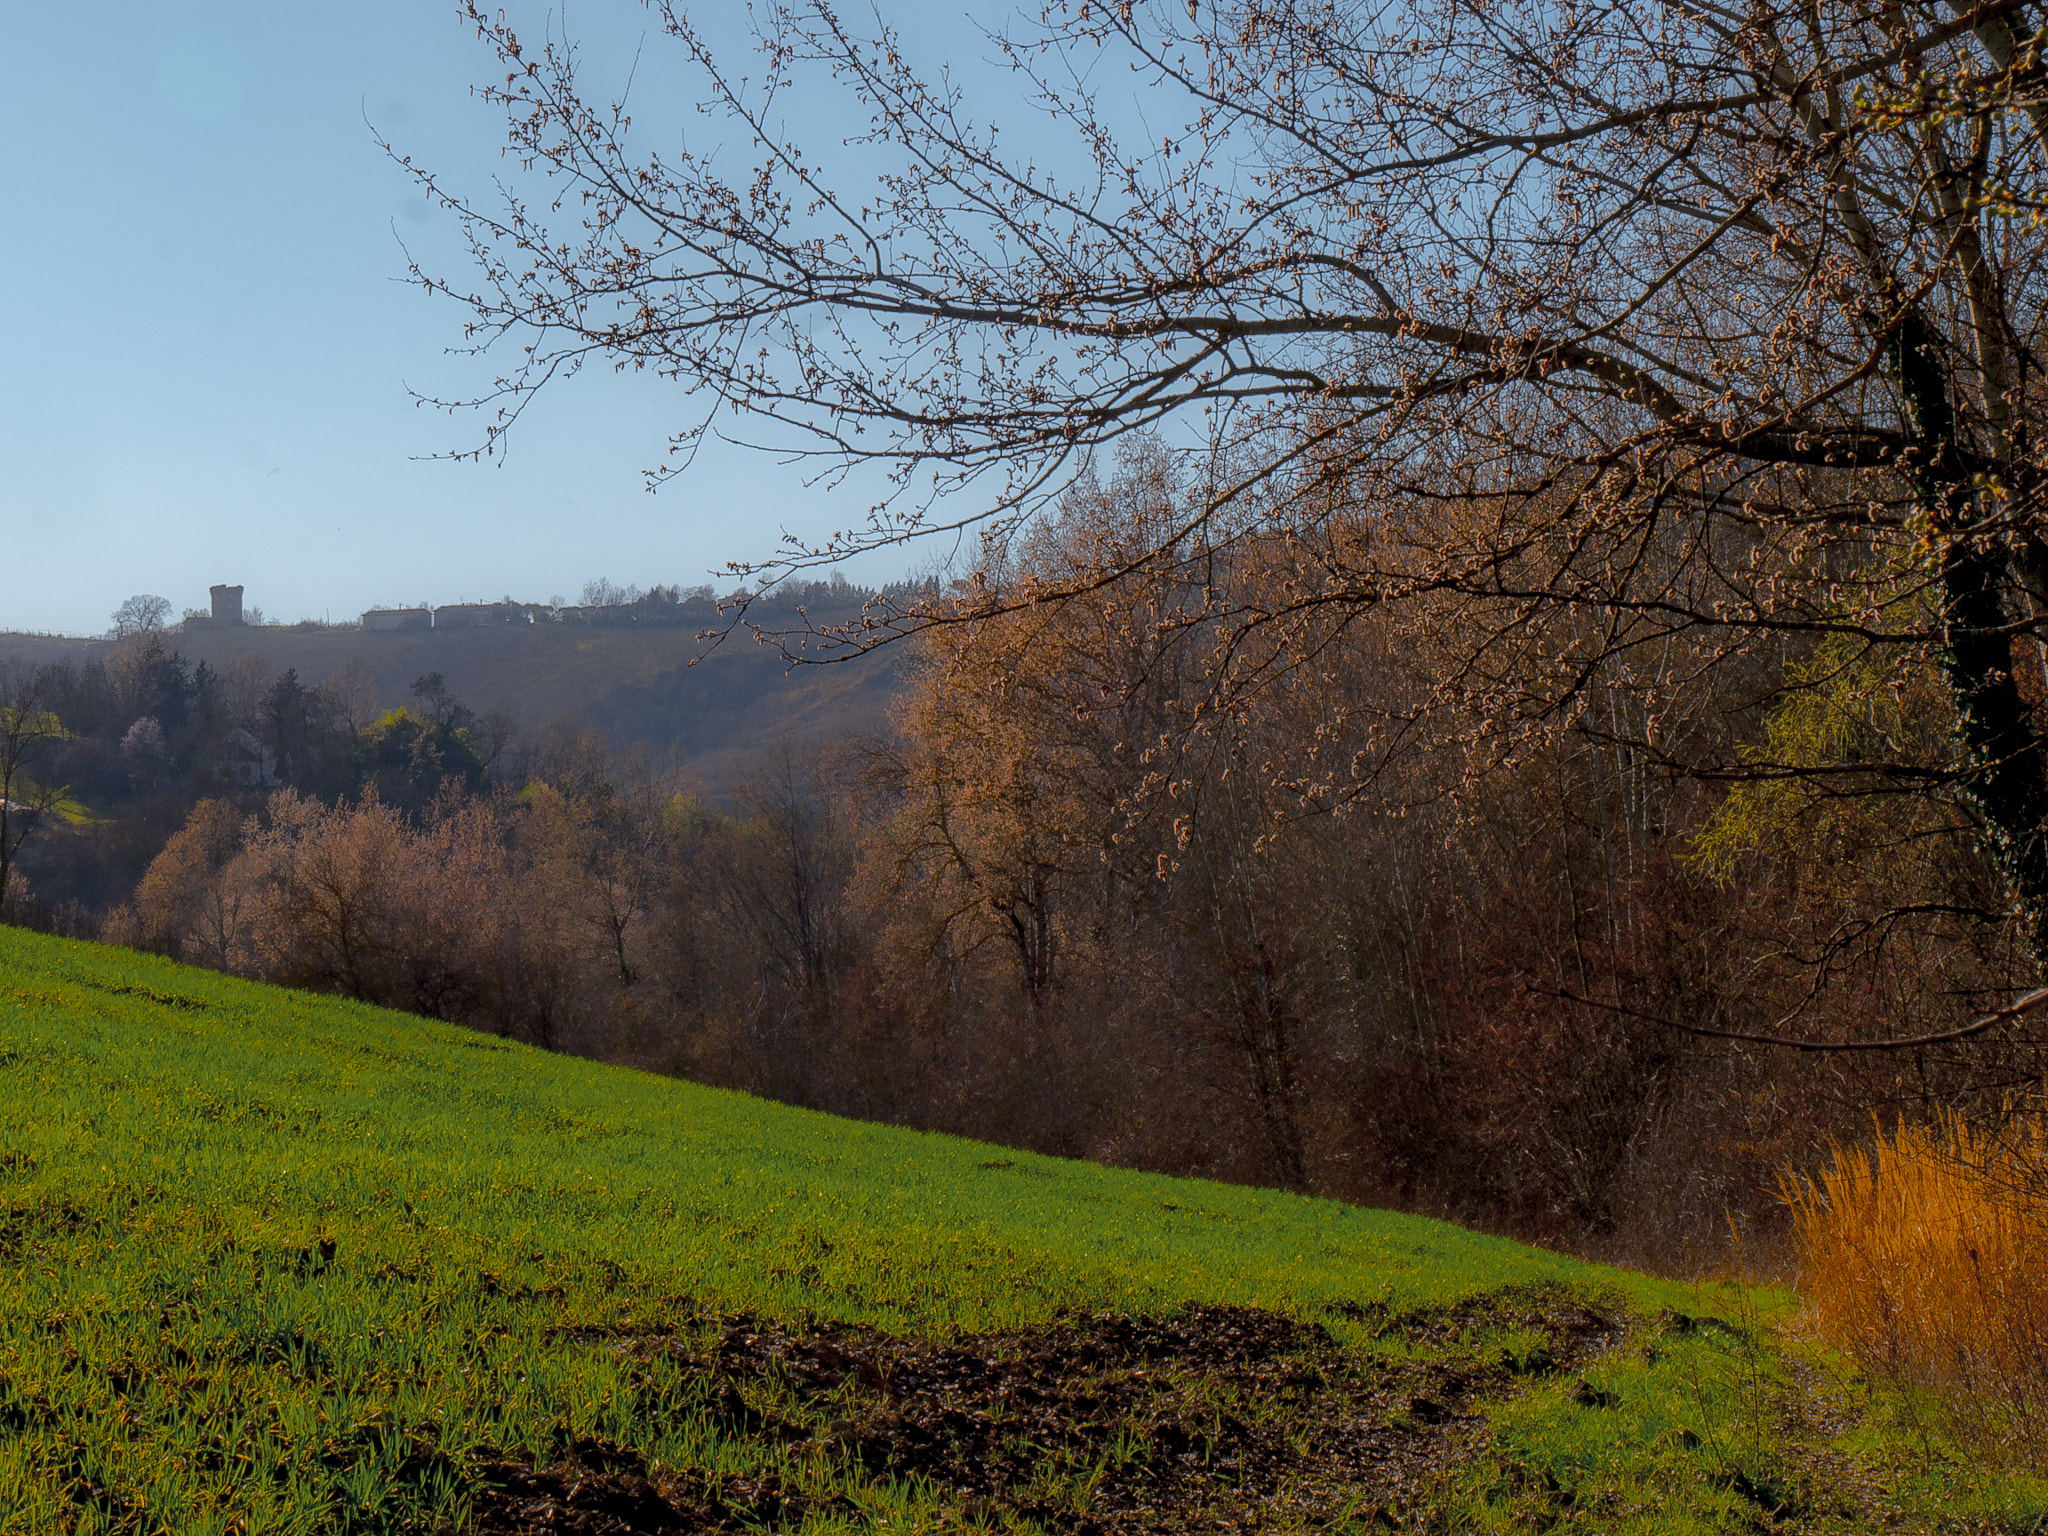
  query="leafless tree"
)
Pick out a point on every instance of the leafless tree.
point(139, 614)
point(1658, 345)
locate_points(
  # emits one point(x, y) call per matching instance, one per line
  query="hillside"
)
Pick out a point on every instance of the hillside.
point(634, 685)
point(278, 1262)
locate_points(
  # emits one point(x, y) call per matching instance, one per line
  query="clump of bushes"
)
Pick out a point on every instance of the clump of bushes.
point(1925, 1256)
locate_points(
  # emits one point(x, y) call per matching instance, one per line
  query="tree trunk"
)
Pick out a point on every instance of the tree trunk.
point(2003, 775)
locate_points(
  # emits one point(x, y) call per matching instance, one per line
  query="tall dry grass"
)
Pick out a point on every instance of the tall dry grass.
point(1925, 1256)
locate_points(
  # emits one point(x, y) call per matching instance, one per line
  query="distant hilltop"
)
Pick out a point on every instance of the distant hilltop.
point(634, 671)
point(662, 608)
point(605, 606)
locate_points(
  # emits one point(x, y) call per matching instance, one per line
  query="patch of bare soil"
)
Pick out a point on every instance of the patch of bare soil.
point(1100, 1426)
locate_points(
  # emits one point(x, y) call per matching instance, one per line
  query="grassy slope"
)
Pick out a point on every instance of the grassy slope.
point(178, 1349)
point(287, 1115)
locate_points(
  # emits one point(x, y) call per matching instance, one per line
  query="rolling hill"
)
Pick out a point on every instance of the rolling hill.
point(637, 686)
point(277, 1262)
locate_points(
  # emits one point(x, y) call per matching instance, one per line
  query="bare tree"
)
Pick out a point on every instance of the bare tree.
point(1647, 346)
point(140, 614)
point(350, 697)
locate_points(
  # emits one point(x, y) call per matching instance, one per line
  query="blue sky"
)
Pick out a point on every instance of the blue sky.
point(209, 343)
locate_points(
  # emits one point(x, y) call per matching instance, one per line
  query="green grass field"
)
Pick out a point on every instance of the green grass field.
point(275, 1262)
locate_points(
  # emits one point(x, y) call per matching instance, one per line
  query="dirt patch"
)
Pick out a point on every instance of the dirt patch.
point(1100, 1426)
point(601, 1490)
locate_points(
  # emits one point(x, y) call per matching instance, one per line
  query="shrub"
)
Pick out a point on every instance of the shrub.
point(1925, 1256)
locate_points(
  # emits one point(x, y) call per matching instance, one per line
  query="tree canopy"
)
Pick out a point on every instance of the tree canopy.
point(1675, 353)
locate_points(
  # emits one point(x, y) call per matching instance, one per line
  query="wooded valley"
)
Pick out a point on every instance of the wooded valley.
point(1491, 658)
point(1286, 919)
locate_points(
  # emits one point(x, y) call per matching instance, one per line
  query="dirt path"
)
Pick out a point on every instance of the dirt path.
point(1214, 1418)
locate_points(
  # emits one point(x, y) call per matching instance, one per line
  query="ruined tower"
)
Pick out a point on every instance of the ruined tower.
point(227, 605)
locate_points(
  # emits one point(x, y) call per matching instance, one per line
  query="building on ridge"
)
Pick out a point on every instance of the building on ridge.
point(227, 604)
point(398, 618)
point(476, 615)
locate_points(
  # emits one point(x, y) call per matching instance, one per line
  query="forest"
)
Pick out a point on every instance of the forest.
point(1082, 898)
point(1491, 659)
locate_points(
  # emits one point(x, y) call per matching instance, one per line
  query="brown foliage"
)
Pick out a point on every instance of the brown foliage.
point(186, 904)
point(1133, 883)
point(1639, 356)
point(1274, 905)
point(353, 900)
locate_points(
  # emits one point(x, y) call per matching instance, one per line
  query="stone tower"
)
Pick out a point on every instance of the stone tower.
point(227, 605)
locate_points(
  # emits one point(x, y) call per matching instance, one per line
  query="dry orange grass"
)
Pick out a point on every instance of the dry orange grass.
point(1925, 1256)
